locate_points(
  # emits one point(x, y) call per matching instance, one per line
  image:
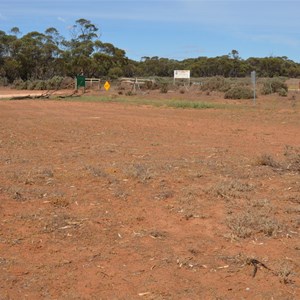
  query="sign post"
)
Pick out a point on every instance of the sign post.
point(80, 81)
point(107, 85)
point(253, 80)
point(182, 74)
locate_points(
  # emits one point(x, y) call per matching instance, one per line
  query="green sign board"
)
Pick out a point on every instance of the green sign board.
point(80, 81)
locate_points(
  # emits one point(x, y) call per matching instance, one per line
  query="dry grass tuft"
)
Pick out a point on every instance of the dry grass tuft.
point(291, 163)
point(140, 172)
point(268, 160)
point(284, 271)
point(164, 194)
point(253, 221)
point(292, 155)
point(231, 189)
point(96, 171)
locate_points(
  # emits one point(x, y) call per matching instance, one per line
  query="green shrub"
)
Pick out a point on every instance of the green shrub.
point(40, 85)
point(239, 92)
point(31, 84)
point(217, 83)
point(20, 84)
point(282, 92)
point(148, 85)
point(130, 93)
point(164, 87)
point(3, 81)
point(274, 85)
point(54, 83)
point(266, 89)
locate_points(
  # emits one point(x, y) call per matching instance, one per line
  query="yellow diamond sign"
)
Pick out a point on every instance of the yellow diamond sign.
point(107, 85)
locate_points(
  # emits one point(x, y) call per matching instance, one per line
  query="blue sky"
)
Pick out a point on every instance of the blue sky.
point(176, 29)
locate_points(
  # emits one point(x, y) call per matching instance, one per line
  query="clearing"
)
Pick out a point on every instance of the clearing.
point(119, 201)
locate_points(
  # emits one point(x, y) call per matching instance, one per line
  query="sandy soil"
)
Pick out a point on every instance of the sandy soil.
point(115, 201)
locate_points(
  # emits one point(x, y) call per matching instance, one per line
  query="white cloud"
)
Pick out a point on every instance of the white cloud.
point(62, 19)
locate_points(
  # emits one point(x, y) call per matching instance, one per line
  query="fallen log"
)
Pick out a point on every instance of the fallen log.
point(74, 94)
point(20, 97)
point(68, 96)
point(45, 95)
point(30, 97)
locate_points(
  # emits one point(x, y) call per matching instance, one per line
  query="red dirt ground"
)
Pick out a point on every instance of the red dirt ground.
point(116, 201)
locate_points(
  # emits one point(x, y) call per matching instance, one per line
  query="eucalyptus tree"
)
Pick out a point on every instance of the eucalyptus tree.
point(109, 59)
point(81, 46)
point(53, 51)
point(10, 66)
point(15, 31)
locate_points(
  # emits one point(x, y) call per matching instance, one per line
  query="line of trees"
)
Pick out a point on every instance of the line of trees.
point(40, 56)
point(230, 65)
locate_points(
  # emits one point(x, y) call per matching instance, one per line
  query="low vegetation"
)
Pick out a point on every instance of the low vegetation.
point(217, 83)
point(274, 85)
point(252, 221)
point(134, 99)
point(231, 189)
point(54, 83)
point(233, 88)
point(239, 92)
point(290, 163)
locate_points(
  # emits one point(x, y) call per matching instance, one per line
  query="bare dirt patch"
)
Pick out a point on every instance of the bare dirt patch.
point(115, 201)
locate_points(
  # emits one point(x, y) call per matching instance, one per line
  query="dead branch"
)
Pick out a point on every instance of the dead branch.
point(45, 95)
point(255, 263)
point(70, 95)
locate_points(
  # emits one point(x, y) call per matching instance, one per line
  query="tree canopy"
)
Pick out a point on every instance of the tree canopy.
point(37, 55)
